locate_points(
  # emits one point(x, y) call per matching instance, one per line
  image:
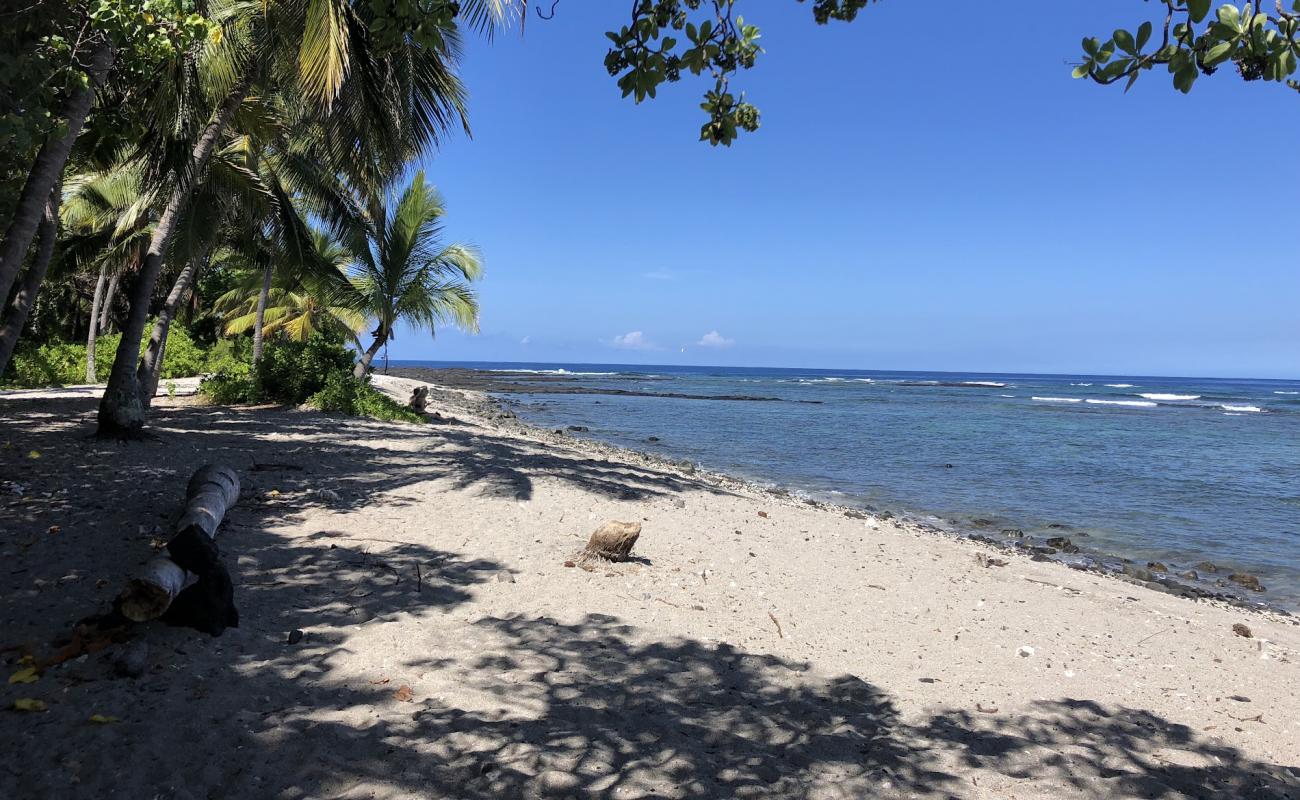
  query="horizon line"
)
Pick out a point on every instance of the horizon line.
point(990, 373)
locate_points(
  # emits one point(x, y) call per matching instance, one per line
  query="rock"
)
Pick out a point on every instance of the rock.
point(1208, 566)
point(1241, 630)
point(559, 431)
point(1060, 526)
point(295, 636)
point(1039, 550)
point(886, 515)
point(505, 577)
point(985, 560)
point(652, 439)
point(1063, 544)
point(133, 660)
point(1024, 651)
point(1014, 533)
point(1137, 572)
point(852, 514)
point(980, 522)
point(1156, 566)
point(763, 514)
point(578, 428)
point(1246, 581)
point(1189, 575)
point(570, 564)
point(686, 466)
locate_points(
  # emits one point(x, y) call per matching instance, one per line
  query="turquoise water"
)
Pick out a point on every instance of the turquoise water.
point(1180, 470)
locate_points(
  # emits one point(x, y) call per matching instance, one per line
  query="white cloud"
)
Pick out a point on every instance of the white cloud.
point(635, 340)
point(659, 275)
point(715, 339)
point(526, 340)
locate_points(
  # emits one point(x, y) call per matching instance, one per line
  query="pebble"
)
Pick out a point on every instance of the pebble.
point(1025, 651)
point(131, 662)
point(295, 636)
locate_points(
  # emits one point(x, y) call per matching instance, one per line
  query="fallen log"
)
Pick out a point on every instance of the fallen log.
point(190, 586)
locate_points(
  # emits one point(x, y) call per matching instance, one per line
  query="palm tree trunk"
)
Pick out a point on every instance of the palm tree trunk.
point(363, 366)
point(47, 169)
point(16, 316)
point(260, 319)
point(94, 324)
point(121, 412)
point(151, 365)
point(106, 305)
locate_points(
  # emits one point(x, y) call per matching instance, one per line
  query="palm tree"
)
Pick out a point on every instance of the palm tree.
point(294, 310)
point(373, 109)
point(107, 213)
point(403, 272)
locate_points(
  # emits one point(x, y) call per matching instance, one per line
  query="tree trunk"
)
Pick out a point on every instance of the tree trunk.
point(121, 412)
point(260, 319)
point(16, 315)
point(94, 324)
point(151, 365)
point(106, 305)
point(47, 169)
point(192, 566)
point(363, 366)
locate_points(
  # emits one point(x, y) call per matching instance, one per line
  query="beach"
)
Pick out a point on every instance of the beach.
point(450, 644)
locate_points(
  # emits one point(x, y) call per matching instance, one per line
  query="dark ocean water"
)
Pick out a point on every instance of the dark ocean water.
point(1180, 470)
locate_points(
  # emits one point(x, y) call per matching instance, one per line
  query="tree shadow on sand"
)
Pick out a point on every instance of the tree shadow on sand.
point(504, 705)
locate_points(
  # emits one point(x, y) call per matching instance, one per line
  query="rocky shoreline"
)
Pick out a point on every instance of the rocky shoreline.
point(530, 383)
point(1204, 581)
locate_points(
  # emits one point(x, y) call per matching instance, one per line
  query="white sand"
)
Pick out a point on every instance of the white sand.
point(432, 557)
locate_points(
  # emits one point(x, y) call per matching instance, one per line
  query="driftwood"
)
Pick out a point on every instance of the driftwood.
point(613, 541)
point(190, 586)
point(419, 401)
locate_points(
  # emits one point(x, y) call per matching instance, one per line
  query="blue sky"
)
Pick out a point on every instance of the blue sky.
point(929, 190)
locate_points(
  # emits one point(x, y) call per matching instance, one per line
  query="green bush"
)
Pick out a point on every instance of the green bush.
point(344, 394)
point(62, 363)
point(231, 386)
point(53, 364)
point(228, 354)
point(290, 372)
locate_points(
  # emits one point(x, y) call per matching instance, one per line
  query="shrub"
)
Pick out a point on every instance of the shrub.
point(290, 372)
point(344, 394)
point(230, 386)
point(52, 364)
point(228, 354)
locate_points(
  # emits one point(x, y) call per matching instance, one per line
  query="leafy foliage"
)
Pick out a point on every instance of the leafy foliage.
point(64, 363)
point(290, 372)
point(647, 53)
point(345, 394)
point(1194, 42)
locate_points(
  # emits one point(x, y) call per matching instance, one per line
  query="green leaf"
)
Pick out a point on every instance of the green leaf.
point(1124, 41)
point(1184, 78)
point(1219, 53)
point(1091, 46)
point(1080, 71)
point(1198, 9)
point(1230, 16)
point(1144, 35)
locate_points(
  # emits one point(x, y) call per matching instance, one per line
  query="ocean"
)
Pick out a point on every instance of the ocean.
point(1176, 470)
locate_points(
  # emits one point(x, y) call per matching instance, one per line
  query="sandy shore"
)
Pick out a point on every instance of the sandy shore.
point(760, 647)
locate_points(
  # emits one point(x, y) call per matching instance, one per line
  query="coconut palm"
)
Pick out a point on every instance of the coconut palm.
point(293, 310)
point(373, 109)
point(404, 273)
